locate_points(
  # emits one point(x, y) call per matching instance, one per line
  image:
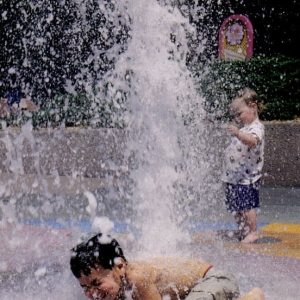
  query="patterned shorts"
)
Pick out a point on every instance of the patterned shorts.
point(216, 285)
point(13, 96)
point(242, 197)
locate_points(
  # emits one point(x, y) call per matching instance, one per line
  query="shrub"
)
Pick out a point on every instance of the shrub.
point(275, 79)
point(45, 44)
point(104, 108)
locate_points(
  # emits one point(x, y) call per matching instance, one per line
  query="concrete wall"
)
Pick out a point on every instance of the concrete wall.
point(102, 152)
point(282, 154)
point(68, 152)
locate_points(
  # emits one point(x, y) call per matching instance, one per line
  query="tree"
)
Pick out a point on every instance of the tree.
point(53, 47)
point(276, 25)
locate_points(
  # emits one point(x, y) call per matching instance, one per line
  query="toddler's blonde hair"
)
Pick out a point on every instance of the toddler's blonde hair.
point(249, 96)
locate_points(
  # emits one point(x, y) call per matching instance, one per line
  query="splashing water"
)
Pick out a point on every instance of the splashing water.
point(160, 91)
point(169, 170)
point(163, 101)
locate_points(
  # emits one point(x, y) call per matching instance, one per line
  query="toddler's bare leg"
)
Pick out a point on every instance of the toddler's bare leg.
point(240, 220)
point(251, 225)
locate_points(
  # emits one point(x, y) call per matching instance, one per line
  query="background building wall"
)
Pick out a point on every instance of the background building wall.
point(99, 153)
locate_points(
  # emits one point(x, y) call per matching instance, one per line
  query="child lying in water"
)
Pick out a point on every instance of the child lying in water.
point(104, 273)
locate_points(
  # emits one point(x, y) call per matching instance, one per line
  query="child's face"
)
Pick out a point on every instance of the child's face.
point(101, 283)
point(242, 113)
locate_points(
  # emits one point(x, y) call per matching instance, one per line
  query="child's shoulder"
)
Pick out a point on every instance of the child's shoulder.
point(257, 124)
point(141, 273)
point(157, 265)
point(163, 262)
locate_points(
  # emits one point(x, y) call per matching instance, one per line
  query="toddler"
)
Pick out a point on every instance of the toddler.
point(243, 162)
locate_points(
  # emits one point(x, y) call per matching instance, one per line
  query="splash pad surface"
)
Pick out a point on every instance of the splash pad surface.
point(36, 242)
point(43, 253)
point(41, 250)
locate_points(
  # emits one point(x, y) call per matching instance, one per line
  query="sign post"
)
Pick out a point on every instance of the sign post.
point(236, 38)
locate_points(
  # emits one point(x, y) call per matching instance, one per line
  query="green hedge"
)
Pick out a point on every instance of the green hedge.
point(276, 80)
point(102, 109)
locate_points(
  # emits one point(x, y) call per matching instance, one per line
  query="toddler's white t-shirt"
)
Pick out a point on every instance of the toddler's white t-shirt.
point(243, 165)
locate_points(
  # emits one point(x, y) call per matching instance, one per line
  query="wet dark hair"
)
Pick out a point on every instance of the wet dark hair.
point(99, 250)
point(249, 96)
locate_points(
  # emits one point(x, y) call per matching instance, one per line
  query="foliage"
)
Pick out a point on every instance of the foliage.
point(60, 53)
point(46, 43)
point(275, 79)
point(275, 24)
point(57, 51)
point(80, 109)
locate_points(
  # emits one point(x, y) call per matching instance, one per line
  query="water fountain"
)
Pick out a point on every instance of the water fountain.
point(169, 181)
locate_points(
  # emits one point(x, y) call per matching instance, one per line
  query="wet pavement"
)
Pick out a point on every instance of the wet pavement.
point(273, 263)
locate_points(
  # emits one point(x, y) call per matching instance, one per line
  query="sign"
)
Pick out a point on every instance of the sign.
point(236, 38)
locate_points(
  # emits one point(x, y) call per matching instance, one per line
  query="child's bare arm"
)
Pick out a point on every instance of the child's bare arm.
point(246, 138)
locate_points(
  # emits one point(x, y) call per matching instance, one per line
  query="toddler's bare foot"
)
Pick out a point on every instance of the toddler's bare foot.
point(250, 238)
point(254, 294)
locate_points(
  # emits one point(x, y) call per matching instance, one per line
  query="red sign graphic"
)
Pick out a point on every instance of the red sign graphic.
point(236, 38)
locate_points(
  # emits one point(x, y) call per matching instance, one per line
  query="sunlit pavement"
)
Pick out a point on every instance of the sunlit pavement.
point(273, 263)
point(288, 236)
point(278, 224)
point(41, 246)
point(279, 228)
point(25, 247)
point(277, 239)
point(38, 230)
